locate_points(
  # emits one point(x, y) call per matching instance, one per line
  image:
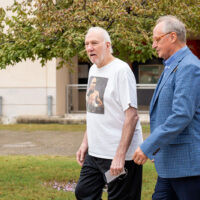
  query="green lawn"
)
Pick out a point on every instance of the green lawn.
point(43, 127)
point(32, 177)
point(53, 127)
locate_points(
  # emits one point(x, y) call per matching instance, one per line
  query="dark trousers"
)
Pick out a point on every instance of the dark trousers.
point(186, 188)
point(92, 181)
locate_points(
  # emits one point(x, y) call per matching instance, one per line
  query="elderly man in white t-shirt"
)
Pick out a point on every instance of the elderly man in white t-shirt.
point(113, 128)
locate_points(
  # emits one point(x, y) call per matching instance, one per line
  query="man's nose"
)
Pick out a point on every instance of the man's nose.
point(154, 45)
point(89, 47)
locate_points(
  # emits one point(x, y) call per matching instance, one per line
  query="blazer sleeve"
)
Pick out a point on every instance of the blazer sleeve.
point(186, 99)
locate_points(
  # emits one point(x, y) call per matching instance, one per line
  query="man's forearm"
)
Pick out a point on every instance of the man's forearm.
point(130, 123)
point(85, 139)
point(80, 154)
point(131, 119)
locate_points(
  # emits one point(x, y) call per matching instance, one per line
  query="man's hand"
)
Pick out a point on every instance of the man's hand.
point(80, 154)
point(139, 157)
point(117, 165)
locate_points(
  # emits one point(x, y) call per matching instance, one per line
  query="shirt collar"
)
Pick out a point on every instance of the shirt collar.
point(170, 60)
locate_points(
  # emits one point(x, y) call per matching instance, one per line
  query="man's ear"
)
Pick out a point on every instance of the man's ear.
point(108, 45)
point(174, 37)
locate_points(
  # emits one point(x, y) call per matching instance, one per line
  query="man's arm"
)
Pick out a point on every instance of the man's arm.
point(131, 118)
point(80, 155)
point(185, 103)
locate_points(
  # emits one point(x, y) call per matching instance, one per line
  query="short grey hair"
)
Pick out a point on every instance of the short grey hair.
point(104, 33)
point(173, 24)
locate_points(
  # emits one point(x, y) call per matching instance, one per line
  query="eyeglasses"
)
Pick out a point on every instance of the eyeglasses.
point(158, 38)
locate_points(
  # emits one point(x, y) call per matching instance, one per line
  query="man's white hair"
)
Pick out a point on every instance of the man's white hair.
point(173, 24)
point(103, 32)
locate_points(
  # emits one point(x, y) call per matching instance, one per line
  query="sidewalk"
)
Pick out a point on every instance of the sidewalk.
point(57, 143)
point(46, 142)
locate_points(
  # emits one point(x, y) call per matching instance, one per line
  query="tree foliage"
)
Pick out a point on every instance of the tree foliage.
point(47, 29)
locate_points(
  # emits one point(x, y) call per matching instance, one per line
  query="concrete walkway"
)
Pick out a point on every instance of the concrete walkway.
point(46, 142)
point(40, 143)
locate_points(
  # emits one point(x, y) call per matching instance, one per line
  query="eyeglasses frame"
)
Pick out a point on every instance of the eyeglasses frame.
point(160, 37)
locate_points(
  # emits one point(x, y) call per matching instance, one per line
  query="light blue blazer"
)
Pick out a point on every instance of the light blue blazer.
point(174, 141)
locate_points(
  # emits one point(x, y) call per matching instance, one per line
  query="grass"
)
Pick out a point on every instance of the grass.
point(29, 177)
point(24, 177)
point(43, 127)
point(53, 127)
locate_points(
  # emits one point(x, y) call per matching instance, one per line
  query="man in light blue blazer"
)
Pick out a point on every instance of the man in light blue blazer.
point(174, 142)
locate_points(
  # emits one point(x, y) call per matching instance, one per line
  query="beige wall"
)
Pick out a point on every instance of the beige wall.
point(63, 78)
point(25, 88)
point(5, 3)
point(29, 74)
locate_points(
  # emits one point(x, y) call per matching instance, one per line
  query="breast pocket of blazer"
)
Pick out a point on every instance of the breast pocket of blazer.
point(166, 94)
point(170, 83)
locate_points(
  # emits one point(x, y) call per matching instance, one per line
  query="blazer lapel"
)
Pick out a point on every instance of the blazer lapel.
point(155, 92)
point(164, 79)
point(161, 83)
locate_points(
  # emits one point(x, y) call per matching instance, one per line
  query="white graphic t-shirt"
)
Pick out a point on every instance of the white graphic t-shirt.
point(111, 90)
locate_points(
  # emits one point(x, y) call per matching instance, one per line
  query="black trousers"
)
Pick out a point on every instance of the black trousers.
point(186, 188)
point(92, 181)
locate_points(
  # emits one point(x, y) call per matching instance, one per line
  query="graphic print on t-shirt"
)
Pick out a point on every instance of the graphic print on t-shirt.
point(94, 95)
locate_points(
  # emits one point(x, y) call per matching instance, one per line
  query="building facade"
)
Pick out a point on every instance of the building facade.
point(28, 89)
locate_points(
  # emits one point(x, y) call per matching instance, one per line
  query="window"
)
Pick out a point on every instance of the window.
point(83, 69)
point(149, 74)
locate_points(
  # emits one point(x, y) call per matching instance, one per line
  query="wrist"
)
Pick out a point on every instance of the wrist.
point(120, 155)
point(84, 145)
